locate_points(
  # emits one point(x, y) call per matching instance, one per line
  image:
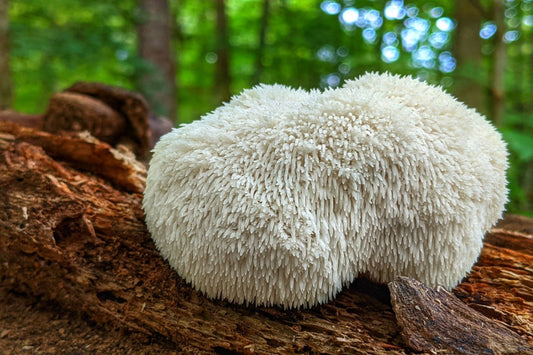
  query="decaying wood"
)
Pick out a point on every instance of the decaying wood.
point(75, 112)
point(113, 115)
point(130, 105)
point(33, 121)
point(73, 238)
point(84, 152)
point(500, 285)
point(434, 319)
point(79, 239)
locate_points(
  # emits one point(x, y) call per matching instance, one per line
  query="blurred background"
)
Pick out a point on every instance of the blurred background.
point(188, 56)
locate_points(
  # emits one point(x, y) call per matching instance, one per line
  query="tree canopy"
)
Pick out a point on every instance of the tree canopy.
point(479, 50)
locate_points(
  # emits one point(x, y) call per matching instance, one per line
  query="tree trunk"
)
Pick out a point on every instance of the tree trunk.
point(261, 43)
point(154, 31)
point(467, 50)
point(71, 233)
point(6, 89)
point(499, 61)
point(222, 70)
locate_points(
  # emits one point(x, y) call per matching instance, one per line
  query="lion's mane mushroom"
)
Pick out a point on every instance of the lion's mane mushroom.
point(283, 196)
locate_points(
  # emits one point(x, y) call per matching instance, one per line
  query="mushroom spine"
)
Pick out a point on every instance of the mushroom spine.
point(283, 196)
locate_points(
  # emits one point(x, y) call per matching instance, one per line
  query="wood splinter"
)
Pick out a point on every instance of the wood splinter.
point(436, 320)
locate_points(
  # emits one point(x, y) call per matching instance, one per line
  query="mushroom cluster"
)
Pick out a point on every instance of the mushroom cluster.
point(283, 196)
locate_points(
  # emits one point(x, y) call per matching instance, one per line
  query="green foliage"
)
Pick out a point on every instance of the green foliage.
point(521, 144)
point(307, 45)
point(56, 44)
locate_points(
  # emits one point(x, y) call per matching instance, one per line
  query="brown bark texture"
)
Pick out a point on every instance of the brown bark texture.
point(259, 67)
point(154, 33)
point(72, 232)
point(434, 320)
point(222, 69)
point(6, 88)
point(467, 50)
point(114, 115)
point(499, 62)
point(34, 121)
point(76, 112)
point(130, 105)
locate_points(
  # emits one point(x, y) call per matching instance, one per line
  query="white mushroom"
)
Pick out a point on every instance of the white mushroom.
point(282, 196)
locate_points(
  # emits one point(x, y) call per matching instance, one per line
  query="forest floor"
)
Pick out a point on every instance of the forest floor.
point(32, 326)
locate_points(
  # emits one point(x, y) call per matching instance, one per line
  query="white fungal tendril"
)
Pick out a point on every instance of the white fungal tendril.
point(283, 196)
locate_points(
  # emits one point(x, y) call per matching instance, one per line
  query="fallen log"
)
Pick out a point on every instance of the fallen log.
point(75, 112)
point(85, 152)
point(132, 106)
point(33, 121)
point(114, 115)
point(71, 234)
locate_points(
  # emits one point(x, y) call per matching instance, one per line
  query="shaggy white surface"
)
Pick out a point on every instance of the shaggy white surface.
point(283, 196)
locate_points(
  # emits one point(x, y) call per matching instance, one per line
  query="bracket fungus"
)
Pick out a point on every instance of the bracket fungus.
point(283, 196)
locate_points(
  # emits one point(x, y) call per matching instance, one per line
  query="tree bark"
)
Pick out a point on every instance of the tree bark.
point(499, 61)
point(73, 232)
point(112, 114)
point(76, 112)
point(130, 105)
point(436, 320)
point(6, 86)
point(154, 32)
point(34, 121)
point(84, 152)
point(222, 69)
point(261, 43)
point(467, 50)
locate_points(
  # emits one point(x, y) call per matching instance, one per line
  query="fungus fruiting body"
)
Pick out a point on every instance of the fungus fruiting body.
point(282, 196)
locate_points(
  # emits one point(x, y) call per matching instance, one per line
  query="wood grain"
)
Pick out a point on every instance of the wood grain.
point(72, 234)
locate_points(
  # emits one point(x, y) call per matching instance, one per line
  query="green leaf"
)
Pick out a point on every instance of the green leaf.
point(520, 143)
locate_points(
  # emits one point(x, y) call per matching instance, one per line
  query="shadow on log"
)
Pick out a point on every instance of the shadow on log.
point(77, 237)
